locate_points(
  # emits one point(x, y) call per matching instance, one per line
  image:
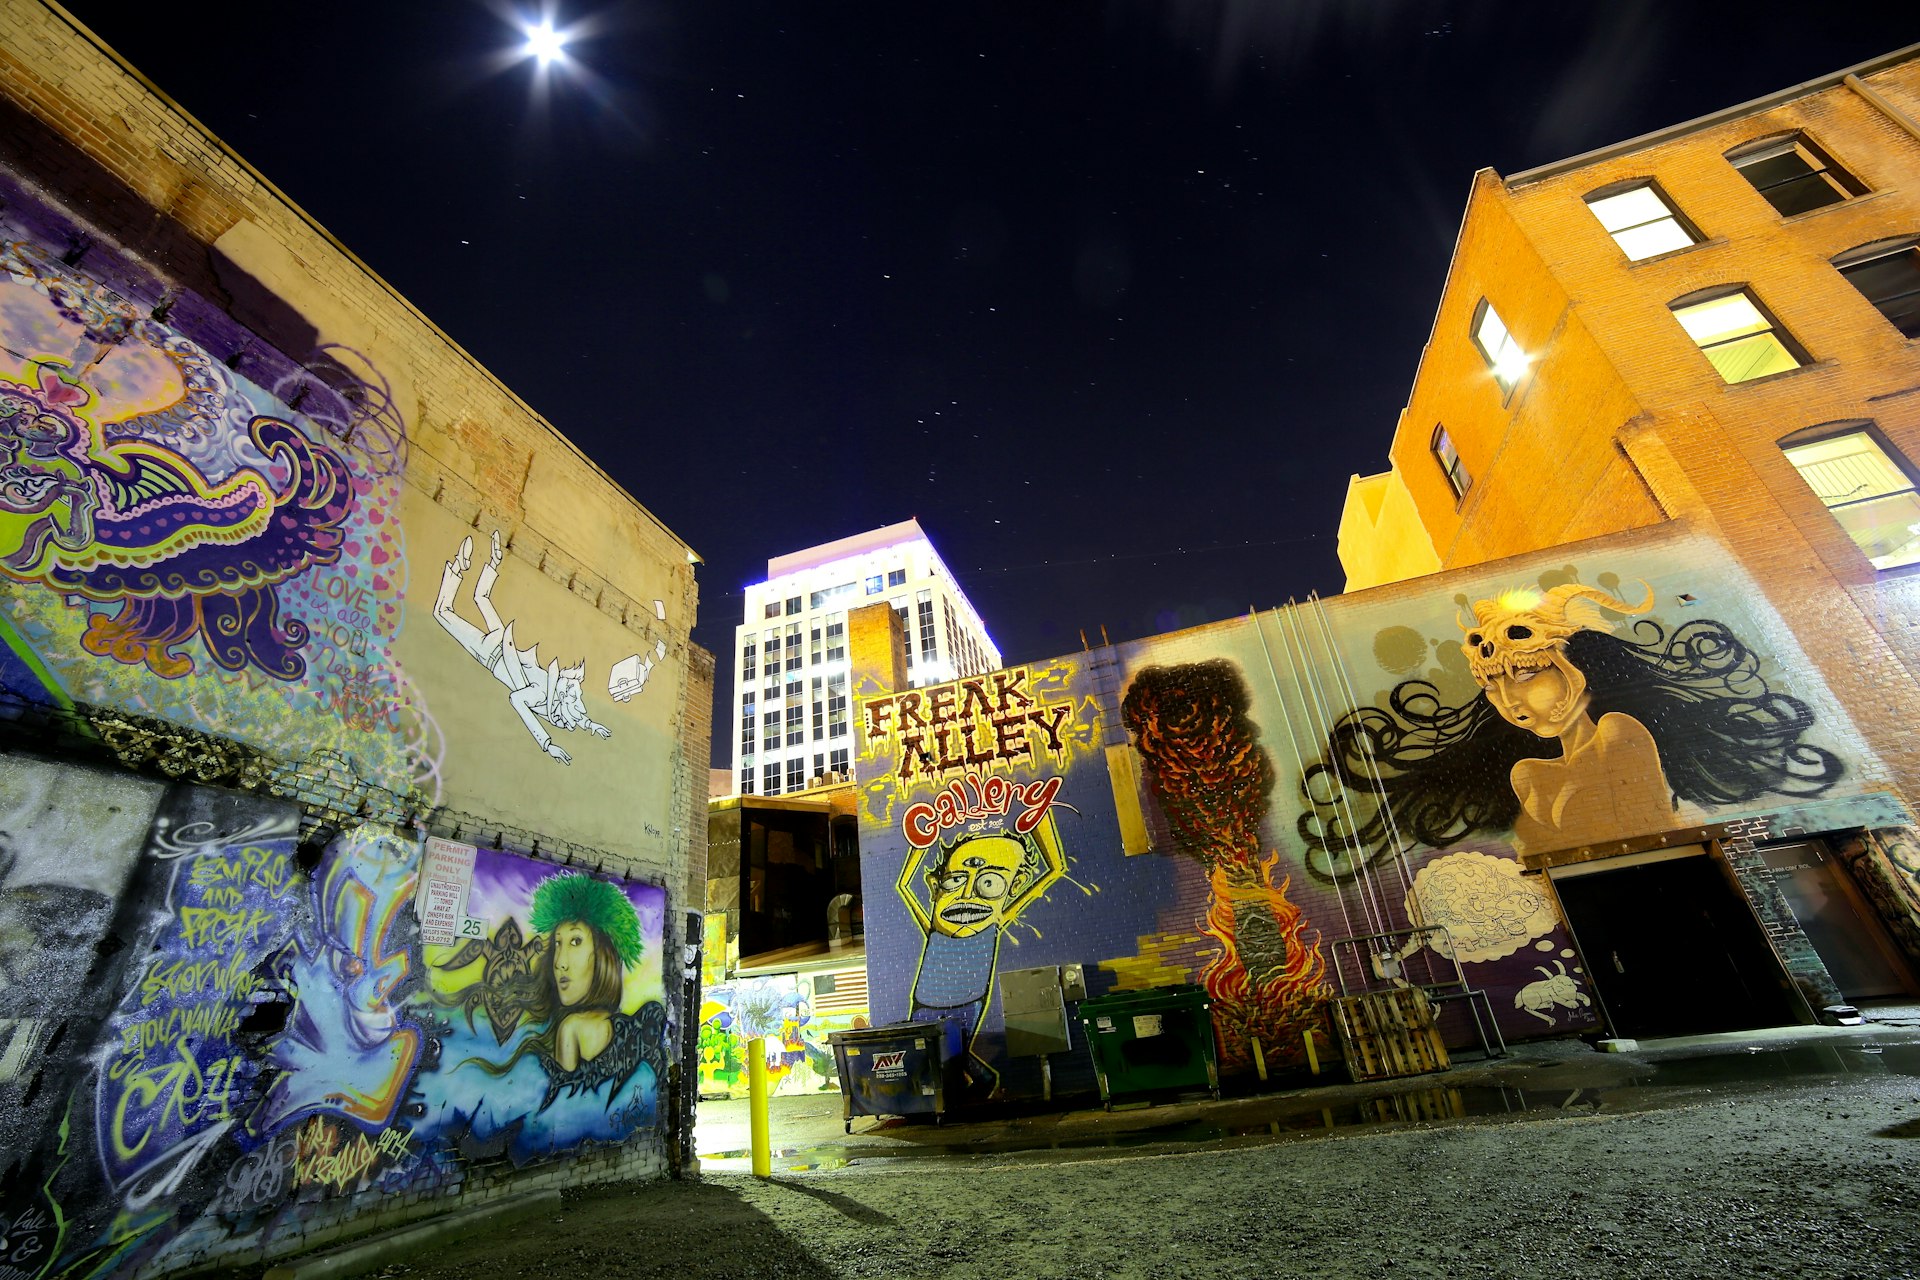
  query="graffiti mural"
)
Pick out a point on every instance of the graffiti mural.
point(536, 693)
point(782, 1010)
point(965, 799)
point(182, 541)
point(1577, 734)
point(1344, 792)
point(280, 1039)
point(1212, 778)
point(556, 1023)
point(977, 887)
point(1487, 907)
point(220, 1027)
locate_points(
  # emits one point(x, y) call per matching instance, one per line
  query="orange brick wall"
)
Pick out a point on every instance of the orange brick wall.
point(1621, 421)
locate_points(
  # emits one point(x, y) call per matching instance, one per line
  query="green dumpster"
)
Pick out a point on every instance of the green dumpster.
point(1156, 1040)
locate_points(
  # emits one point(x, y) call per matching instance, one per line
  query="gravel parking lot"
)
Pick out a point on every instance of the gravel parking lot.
point(1811, 1175)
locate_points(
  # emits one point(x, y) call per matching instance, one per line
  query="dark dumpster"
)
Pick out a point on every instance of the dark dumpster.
point(1156, 1040)
point(904, 1069)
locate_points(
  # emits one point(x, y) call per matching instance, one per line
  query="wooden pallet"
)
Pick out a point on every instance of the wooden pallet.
point(1388, 1033)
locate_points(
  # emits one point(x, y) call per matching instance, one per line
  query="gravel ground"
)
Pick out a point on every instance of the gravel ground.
point(1809, 1177)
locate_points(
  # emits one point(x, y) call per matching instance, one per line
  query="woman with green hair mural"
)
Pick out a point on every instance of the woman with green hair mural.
point(567, 980)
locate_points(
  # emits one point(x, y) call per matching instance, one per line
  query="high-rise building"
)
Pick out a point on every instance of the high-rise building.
point(791, 721)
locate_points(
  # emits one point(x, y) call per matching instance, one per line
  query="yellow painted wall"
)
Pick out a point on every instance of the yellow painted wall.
point(1381, 537)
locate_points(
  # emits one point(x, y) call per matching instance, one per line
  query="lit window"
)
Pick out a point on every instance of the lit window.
point(1456, 471)
point(1497, 347)
point(1869, 493)
point(773, 610)
point(1889, 277)
point(1641, 222)
point(873, 585)
point(836, 637)
point(1742, 341)
point(1794, 175)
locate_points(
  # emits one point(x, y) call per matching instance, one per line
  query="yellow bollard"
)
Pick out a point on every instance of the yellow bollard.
point(757, 1106)
point(1313, 1059)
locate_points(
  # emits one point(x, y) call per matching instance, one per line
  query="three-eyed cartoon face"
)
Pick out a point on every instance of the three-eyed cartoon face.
point(976, 884)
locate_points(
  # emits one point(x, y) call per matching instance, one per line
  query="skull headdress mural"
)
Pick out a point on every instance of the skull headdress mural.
point(1577, 734)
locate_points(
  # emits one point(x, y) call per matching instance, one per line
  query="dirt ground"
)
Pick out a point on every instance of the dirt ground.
point(1813, 1176)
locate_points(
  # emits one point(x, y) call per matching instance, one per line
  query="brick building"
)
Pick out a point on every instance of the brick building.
point(1712, 326)
point(339, 695)
point(1715, 322)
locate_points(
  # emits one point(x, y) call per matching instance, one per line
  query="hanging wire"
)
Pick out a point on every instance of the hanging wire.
point(1304, 675)
point(1299, 759)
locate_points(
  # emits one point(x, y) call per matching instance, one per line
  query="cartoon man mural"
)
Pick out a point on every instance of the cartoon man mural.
point(552, 693)
point(982, 883)
point(1577, 735)
point(567, 981)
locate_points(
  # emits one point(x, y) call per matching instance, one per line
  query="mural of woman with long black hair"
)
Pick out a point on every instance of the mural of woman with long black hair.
point(1577, 735)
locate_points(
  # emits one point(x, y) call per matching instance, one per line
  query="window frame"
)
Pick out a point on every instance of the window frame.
point(1628, 186)
point(1820, 433)
point(1873, 251)
point(1782, 334)
point(1839, 176)
point(1464, 481)
point(1481, 311)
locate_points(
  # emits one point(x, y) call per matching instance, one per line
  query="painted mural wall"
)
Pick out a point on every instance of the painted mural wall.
point(1226, 805)
point(268, 1043)
point(794, 1014)
point(225, 1025)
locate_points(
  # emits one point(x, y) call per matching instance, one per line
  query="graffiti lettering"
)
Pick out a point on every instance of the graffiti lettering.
point(211, 926)
point(987, 720)
point(322, 1157)
point(185, 1095)
point(174, 1081)
point(975, 798)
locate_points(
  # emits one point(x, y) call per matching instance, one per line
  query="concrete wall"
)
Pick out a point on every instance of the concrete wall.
point(1206, 806)
point(288, 583)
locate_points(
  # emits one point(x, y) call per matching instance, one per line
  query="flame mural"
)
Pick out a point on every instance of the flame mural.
point(1212, 778)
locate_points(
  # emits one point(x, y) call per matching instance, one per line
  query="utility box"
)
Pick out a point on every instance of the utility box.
point(903, 1069)
point(1034, 1006)
point(1156, 1040)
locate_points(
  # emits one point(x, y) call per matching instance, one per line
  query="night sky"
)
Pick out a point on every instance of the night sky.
point(1113, 297)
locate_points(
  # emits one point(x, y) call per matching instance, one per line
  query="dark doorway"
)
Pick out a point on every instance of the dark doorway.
point(1674, 949)
point(1838, 921)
